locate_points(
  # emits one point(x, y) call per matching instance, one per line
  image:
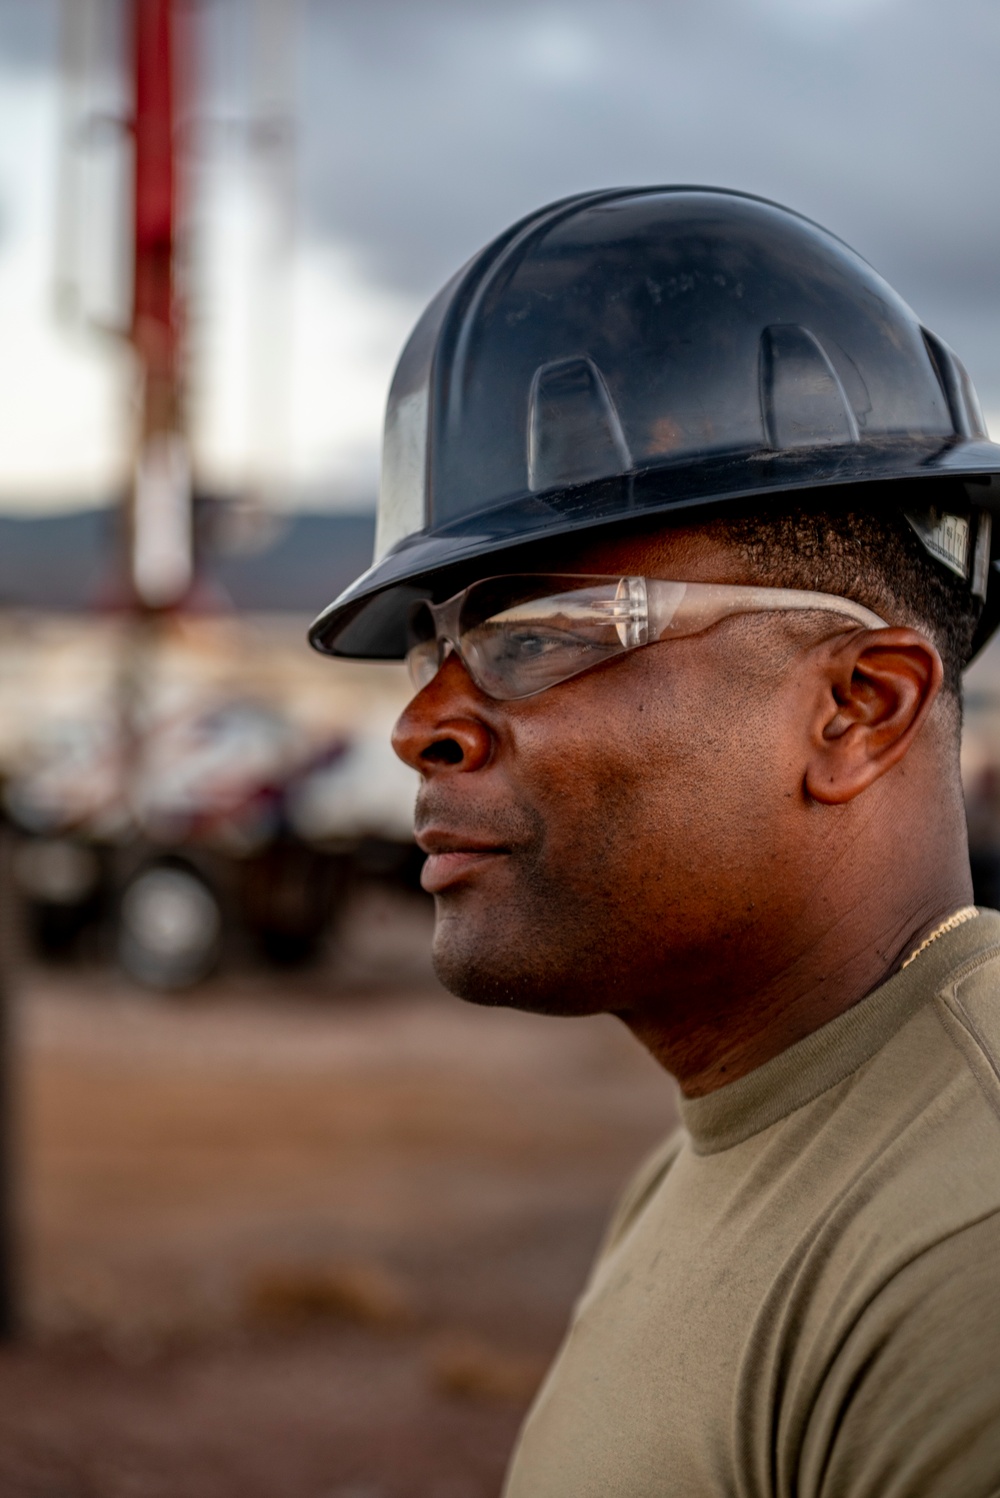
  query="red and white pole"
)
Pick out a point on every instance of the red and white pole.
point(161, 518)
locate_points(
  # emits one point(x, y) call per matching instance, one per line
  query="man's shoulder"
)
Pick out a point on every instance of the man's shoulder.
point(911, 1142)
point(936, 1079)
point(898, 1165)
point(968, 1006)
point(947, 1063)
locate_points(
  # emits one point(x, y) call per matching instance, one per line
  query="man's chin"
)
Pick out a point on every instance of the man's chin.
point(499, 978)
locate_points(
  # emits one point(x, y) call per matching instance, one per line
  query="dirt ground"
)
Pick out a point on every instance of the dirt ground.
point(301, 1237)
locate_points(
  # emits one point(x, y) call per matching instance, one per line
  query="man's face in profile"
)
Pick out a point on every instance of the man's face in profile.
point(591, 845)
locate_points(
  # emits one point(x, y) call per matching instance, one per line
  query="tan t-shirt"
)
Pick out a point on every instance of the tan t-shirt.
point(800, 1294)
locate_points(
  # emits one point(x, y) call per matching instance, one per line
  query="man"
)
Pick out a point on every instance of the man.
point(685, 530)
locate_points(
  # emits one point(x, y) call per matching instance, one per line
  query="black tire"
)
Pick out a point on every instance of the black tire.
point(169, 927)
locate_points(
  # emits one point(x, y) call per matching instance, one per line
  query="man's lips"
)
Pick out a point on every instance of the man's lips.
point(450, 856)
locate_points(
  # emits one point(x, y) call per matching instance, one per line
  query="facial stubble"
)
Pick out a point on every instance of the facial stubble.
point(537, 931)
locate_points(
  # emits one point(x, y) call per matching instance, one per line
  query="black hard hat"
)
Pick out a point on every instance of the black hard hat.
point(655, 351)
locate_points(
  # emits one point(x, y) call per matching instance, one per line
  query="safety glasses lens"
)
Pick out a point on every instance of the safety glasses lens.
point(520, 635)
point(423, 661)
point(540, 640)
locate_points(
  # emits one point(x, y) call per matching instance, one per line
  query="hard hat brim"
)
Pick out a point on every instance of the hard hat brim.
point(368, 621)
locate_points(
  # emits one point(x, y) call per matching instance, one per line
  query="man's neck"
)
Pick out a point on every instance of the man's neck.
point(744, 1020)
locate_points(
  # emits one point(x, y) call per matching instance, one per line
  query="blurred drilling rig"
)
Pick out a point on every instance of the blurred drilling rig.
point(137, 131)
point(181, 834)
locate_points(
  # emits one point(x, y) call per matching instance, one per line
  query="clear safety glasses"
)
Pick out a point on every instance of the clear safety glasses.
point(517, 636)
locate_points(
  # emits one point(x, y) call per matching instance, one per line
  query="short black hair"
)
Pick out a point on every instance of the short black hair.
point(871, 555)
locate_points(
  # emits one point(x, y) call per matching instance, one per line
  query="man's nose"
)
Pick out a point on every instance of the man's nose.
point(442, 729)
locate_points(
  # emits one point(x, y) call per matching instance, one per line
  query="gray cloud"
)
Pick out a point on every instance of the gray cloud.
point(428, 127)
point(28, 31)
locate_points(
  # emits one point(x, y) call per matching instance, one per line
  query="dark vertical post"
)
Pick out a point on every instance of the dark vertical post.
point(10, 1313)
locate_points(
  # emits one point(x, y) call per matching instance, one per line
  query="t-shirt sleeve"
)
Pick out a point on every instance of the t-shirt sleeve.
point(910, 1407)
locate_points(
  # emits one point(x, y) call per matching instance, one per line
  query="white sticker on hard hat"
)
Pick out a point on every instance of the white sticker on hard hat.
point(981, 557)
point(945, 536)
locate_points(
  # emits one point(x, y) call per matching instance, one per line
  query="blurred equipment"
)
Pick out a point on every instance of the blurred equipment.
point(650, 352)
point(982, 804)
point(235, 831)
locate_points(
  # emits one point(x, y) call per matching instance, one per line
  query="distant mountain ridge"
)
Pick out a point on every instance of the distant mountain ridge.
point(67, 561)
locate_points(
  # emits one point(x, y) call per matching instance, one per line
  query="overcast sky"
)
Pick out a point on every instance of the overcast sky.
point(423, 127)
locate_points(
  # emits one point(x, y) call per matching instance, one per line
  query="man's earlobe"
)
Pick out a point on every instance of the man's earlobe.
point(880, 686)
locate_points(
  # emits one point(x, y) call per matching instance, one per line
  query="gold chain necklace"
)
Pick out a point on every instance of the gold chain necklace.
point(967, 913)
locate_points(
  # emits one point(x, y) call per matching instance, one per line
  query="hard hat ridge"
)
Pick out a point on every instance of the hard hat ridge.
point(574, 432)
point(803, 403)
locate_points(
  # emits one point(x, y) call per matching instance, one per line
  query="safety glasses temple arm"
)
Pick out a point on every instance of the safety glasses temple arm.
point(687, 608)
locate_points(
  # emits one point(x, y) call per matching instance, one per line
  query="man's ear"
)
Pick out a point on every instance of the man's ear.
point(879, 687)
